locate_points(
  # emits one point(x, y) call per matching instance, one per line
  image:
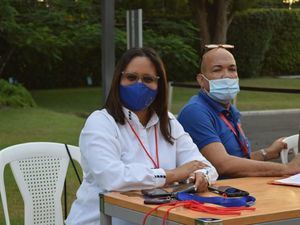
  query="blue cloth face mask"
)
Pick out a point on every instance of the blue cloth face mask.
point(137, 96)
point(223, 90)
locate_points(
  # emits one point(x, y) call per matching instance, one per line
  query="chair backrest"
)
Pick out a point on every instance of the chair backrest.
point(292, 145)
point(39, 169)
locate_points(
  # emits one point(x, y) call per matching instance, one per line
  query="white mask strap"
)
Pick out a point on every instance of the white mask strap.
point(204, 77)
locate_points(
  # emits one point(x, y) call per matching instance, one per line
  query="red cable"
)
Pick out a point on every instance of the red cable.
point(197, 206)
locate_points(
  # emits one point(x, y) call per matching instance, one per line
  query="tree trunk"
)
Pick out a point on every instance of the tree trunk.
point(213, 19)
point(199, 10)
point(6, 60)
point(221, 21)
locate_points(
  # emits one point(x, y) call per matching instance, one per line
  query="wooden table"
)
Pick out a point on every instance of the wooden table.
point(275, 204)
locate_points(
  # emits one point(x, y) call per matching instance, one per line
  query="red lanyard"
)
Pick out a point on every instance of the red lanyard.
point(243, 145)
point(156, 164)
point(196, 206)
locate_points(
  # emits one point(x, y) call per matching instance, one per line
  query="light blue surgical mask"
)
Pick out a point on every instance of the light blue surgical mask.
point(223, 90)
point(137, 96)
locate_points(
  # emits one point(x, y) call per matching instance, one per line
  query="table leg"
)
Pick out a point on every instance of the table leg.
point(104, 219)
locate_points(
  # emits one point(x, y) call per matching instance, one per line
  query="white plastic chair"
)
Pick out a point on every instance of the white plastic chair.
point(39, 169)
point(292, 145)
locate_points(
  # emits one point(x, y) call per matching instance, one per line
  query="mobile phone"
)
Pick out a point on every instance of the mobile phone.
point(188, 188)
point(299, 141)
point(228, 191)
point(209, 221)
point(156, 192)
point(157, 201)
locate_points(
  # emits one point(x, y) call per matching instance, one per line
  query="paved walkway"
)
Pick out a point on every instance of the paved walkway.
point(263, 127)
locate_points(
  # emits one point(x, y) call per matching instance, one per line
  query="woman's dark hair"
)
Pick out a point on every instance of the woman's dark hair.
point(160, 105)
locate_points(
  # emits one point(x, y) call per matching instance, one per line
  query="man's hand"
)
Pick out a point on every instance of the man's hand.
point(273, 151)
point(182, 172)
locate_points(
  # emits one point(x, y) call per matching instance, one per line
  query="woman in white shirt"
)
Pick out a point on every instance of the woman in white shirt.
point(134, 143)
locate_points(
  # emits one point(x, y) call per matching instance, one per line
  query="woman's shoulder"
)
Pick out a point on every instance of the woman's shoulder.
point(171, 116)
point(100, 113)
point(176, 128)
point(100, 118)
point(173, 120)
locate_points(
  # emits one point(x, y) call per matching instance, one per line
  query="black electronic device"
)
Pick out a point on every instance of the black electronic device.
point(209, 221)
point(166, 195)
point(228, 191)
point(157, 201)
point(299, 141)
point(156, 192)
point(187, 188)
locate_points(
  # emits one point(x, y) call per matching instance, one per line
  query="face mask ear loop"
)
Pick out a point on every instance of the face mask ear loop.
point(204, 77)
point(202, 87)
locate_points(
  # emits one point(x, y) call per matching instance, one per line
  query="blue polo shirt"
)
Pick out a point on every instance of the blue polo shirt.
point(200, 118)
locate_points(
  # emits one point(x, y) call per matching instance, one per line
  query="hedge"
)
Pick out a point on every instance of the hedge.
point(267, 42)
point(14, 95)
point(283, 57)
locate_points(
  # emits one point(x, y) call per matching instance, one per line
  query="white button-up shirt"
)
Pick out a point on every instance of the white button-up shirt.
point(114, 160)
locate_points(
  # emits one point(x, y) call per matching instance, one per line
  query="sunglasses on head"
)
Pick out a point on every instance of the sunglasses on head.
point(145, 78)
point(212, 46)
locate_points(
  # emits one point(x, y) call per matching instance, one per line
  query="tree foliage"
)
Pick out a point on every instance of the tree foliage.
point(57, 43)
point(40, 37)
point(269, 44)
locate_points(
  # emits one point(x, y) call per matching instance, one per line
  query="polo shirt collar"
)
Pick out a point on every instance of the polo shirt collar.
point(133, 118)
point(217, 106)
point(236, 114)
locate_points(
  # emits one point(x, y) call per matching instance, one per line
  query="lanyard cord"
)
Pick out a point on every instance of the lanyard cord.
point(156, 164)
point(243, 146)
point(196, 206)
point(222, 201)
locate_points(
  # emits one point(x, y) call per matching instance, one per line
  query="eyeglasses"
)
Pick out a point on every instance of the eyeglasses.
point(145, 78)
point(212, 46)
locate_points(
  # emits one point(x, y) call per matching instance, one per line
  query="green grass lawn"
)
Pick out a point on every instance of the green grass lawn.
point(246, 100)
point(84, 100)
point(58, 118)
point(272, 82)
point(73, 100)
point(35, 124)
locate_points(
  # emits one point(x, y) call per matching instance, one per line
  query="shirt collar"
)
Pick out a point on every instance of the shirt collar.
point(217, 106)
point(235, 112)
point(133, 118)
point(214, 104)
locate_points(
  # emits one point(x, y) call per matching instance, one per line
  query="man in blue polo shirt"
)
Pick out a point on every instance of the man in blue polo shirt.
point(214, 124)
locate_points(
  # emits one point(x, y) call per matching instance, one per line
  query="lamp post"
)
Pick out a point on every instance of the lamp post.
point(134, 28)
point(108, 45)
